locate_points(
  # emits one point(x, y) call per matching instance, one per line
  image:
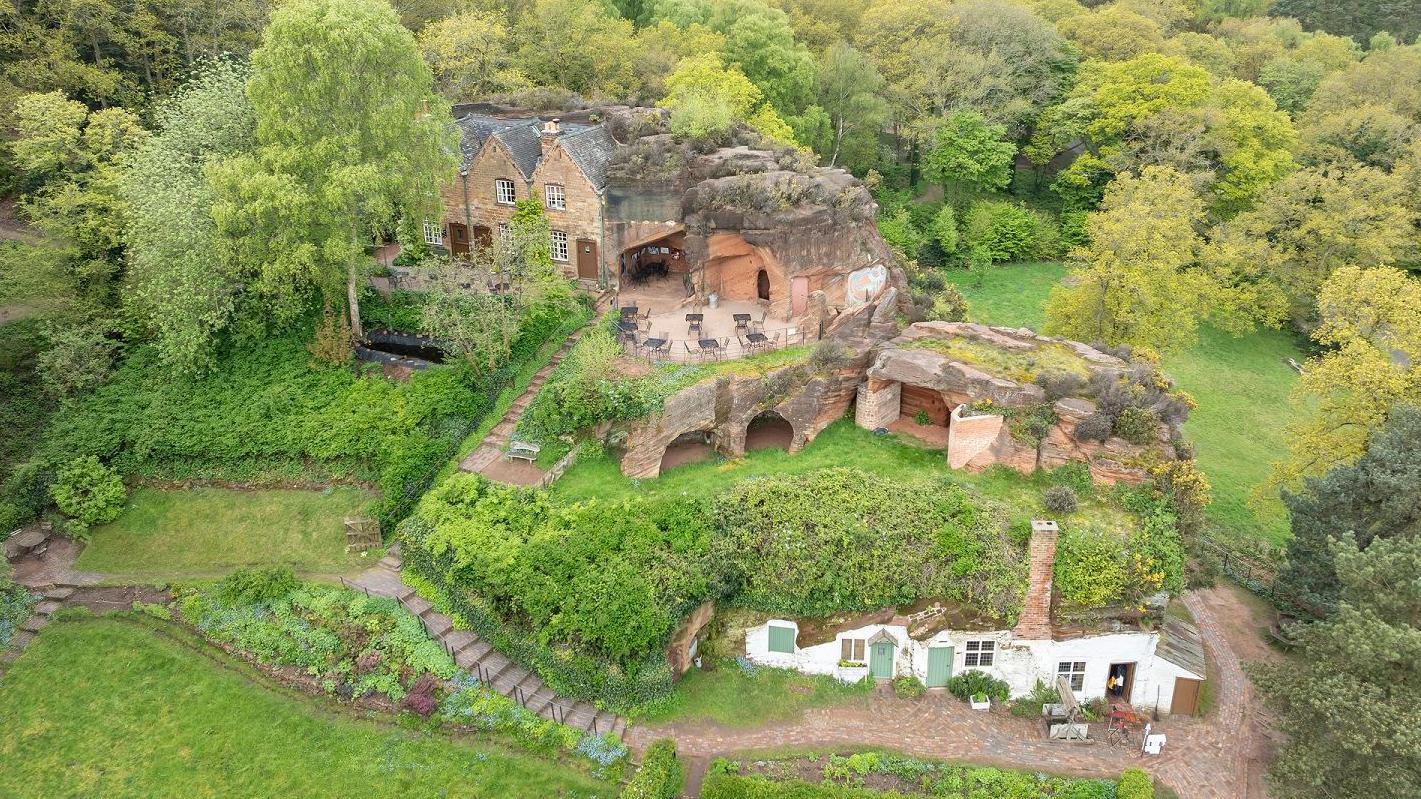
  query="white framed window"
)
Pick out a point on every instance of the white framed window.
point(1074, 671)
point(554, 198)
point(852, 649)
point(559, 245)
point(980, 653)
point(503, 192)
point(433, 232)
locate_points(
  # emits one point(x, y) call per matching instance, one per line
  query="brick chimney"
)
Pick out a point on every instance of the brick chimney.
point(551, 130)
point(1035, 621)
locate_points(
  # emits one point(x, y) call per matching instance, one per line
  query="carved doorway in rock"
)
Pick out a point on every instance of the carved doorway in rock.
point(691, 447)
point(762, 285)
point(769, 430)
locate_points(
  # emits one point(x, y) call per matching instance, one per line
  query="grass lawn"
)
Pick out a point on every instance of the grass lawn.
point(207, 531)
point(114, 708)
point(730, 697)
point(1242, 385)
point(841, 444)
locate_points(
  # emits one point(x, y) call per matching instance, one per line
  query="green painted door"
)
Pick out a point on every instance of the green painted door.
point(939, 665)
point(880, 661)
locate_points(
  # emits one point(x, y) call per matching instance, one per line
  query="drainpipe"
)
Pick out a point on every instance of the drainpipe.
point(468, 217)
point(602, 277)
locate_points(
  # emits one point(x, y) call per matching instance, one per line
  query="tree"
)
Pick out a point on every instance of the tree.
point(970, 153)
point(1113, 33)
point(350, 135)
point(77, 359)
point(1140, 280)
point(1377, 497)
point(1368, 135)
point(174, 284)
point(1348, 719)
point(1370, 323)
point(1359, 19)
point(706, 98)
point(470, 55)
point(851, 93)
point(578, 45)
point(1317, 220)
point(481, 325)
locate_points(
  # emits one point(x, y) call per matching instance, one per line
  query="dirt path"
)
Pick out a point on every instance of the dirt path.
point(1203, 759)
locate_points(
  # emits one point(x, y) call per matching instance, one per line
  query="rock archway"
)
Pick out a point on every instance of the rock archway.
point(769, 430)
point(692, 446)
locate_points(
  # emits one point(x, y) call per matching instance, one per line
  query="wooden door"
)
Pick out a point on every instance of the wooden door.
point(799, 295)
point(880, 661)
point(939, 666)
point(1186, 697)
point(587, 266)
point(458, 238)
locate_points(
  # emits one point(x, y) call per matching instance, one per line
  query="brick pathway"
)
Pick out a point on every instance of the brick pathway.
point(1204, 759)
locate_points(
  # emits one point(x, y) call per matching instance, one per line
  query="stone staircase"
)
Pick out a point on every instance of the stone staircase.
point(492, 448)
point(51, 600)
point(479, 658)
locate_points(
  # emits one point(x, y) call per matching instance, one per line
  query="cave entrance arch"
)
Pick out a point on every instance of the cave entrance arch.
point(762, 285)
point(769, 430)
point(692, 446)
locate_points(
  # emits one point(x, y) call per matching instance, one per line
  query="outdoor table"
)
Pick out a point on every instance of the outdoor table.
point(628, 310)
point(710, 345)
point(742, 320)
point(654, 344)
point(695, 317)
point(627, 327)
point(757, 339)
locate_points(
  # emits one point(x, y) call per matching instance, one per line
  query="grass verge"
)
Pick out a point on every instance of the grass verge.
point(733, 697)
point(110, 707)
point(175, 534)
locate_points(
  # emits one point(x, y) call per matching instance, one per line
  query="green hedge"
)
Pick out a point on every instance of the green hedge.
point(571, 673)
point(1135, 784)
point(660, 775)
point(266, 411)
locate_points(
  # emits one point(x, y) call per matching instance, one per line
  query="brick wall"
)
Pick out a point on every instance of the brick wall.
point(580, 220)
point(1035, 620)
point(969, 436)
point(878, 403)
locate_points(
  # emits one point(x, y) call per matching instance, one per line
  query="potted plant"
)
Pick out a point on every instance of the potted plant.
point(980, 701)
point(851, 671)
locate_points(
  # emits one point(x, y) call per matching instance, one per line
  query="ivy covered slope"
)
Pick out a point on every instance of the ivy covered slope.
point(270, 413)
point(588, 592)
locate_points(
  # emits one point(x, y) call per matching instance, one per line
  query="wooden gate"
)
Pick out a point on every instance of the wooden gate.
point(1186, 697)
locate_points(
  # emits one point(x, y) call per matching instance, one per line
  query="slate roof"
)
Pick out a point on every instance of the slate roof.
point(1181, 644)
point(590, 146)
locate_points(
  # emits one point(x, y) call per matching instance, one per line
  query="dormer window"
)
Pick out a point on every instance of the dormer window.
point(503, 192)
point(553, 197)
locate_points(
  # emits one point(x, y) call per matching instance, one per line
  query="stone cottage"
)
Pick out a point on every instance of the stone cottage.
point(1154, 667)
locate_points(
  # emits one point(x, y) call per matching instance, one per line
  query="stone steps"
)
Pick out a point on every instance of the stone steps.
point(51, 600)
point(479, 658)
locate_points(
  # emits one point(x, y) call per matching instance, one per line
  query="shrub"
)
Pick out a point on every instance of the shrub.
point(78, 359)
point(258, 586)
point(1061, 499)
point(1135, 784)
point(660, 775)
point(1076, 476)
point(922, 418)
point(1088, 569)
point(1096, 427)
point(88, 493)
point(949, 305)
point(1029, 706)
point(908, 687)
point(420, 699)
point(1010, 232)
point(974, 683)
point(1137, 425)
point(1058, 383)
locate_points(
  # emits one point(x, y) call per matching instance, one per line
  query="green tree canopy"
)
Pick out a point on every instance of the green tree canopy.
point(968, 152)
point(350, 135)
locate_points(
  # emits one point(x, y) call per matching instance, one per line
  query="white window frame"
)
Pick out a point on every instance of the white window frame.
point(980, 654)
point(505, 191)
point(853, 649)
point(559, 245)
point(434, 232)
point(505, 231)
point(1073, 671)
point(554, 197)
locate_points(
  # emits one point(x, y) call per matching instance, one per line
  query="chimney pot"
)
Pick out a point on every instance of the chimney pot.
point(1044, 526)
point(552, 127)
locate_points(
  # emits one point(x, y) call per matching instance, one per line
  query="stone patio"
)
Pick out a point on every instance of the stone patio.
point(666, 299)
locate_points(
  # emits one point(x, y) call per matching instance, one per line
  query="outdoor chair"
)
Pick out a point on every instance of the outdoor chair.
point(758, 325)
point(690, 353)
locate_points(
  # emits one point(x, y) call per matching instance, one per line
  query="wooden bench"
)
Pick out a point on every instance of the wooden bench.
point(522, 450)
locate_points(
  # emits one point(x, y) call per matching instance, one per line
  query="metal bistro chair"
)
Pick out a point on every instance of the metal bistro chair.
point(690, 353)
point(758, 325)
point(644, 318)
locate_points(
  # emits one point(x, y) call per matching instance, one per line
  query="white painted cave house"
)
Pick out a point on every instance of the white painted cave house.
point(1161, 668)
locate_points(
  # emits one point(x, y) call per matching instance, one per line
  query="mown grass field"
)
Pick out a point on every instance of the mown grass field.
point(1242, 385)
point(115, 708)
point(170, 534)
point(732, 698)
